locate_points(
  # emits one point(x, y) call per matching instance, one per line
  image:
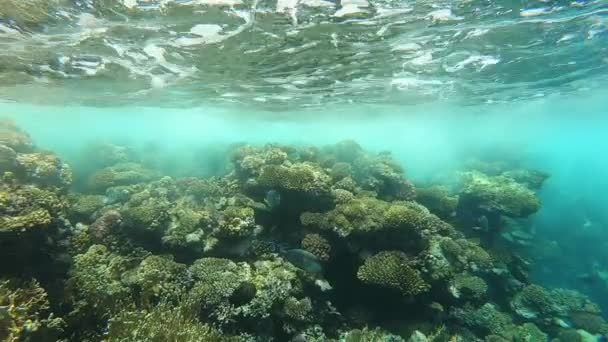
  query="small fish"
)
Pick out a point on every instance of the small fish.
point(304, 260)
point(272, 199)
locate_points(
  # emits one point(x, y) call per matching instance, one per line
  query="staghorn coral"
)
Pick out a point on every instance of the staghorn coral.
point(391, 269)
point(499, 194)
point(24, 313)
point(317, 245)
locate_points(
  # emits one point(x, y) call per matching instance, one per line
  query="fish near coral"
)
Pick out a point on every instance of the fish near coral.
point(304, 260)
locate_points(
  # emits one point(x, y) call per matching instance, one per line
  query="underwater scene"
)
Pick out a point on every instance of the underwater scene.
point(303, 170)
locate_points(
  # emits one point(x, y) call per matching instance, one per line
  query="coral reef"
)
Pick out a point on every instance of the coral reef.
point(290, 243)
point(24, 313)
point(391, 269)
point(498, 194)
point(317, 245)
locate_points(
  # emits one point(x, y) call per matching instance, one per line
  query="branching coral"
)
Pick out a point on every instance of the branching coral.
point(157, 277)
point(275, 281)
point(216, 280)
point(391, 269)
point(317, 245)
point(299, 310)
point(487, 319)
point(96, 280)
point(24, 313)
point(164, 322)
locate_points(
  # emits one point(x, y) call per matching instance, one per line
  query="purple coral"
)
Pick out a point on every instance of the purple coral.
point(104, 224)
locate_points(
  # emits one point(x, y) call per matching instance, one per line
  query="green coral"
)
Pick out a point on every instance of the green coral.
point(26, 207)
point(382, 175)
point(368, 214)
point(361, 214)
point(148, 214)
point(500, 194)
point(24, 313)
point(84, 206)
point(438, 200)
point(317, 245)
point(216, 280)
point(469, 287)
point(591, 322)
point(533, 179)
point(487, 319)
point(304, 178)
point(157, 277)
point(340, 171)
point(534, 301)
point(391, 269)
point(368, 335)
point(11, 135)
point(96, 280)
point(45, 169)
point(120, 175)
point(299, 310)
point(275, 281)
point(464, 254)
point(8, 159)
point(164, 322)
point(236, 221)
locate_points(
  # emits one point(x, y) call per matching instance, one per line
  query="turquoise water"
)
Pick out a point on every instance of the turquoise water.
point(303, 170)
